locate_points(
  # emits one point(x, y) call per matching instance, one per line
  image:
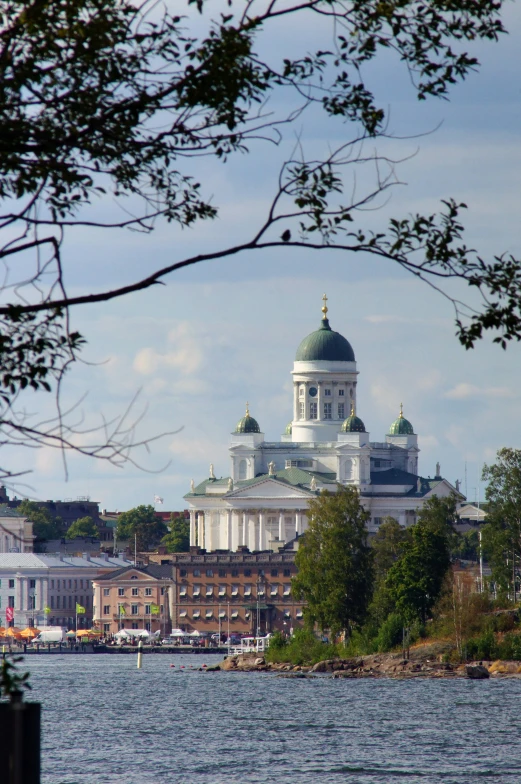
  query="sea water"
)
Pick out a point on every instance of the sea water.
point(103, 720)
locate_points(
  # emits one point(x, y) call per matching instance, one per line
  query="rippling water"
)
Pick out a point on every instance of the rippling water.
point(106, 721)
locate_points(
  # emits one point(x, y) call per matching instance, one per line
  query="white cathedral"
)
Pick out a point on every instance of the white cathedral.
point(262, 505)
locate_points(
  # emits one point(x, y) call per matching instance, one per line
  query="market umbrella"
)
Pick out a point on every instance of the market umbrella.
point(83, 633)
point(13, 631)
point(2, 631)
point(30, 632)
point(71, 634)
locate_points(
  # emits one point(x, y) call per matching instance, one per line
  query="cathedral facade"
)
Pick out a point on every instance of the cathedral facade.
point(262, 504)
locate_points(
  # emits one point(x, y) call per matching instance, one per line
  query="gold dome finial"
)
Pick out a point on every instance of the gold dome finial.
point(401, 411)
point(324, 307)
point(352, 408)
point(247, 409)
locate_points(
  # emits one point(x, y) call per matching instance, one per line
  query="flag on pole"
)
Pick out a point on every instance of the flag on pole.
point(47, 610)
point(122, 610)
point(158, 499)
point(9, 614)
point(154, 609)
point(79, 609)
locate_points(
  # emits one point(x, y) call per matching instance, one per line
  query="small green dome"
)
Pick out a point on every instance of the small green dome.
point(289, 429)
point(401, 426)
point(325, 344)
point(247, 424)
point(352, 424)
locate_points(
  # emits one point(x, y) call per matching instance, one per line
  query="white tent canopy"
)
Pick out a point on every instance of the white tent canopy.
point(177, 633)
point(195, 633)
point(131, 633)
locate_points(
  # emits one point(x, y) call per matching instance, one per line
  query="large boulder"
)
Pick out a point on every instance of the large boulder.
point(477, 672)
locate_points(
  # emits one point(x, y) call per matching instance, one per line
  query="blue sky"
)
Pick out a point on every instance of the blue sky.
point(225, 332)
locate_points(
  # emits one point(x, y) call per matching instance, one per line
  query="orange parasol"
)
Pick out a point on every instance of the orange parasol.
point(30, 632)
point(2, 631)
point(87, 633)
point(13, 631)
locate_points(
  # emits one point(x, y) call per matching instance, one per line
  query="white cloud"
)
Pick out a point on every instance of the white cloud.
point(463, 391)
point(187, 356)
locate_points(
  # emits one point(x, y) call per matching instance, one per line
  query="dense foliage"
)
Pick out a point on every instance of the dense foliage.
point(334, 562)
point(45, 527)
point(177, 540)
point(142, 526)
point(82, 527)
point(502, 532)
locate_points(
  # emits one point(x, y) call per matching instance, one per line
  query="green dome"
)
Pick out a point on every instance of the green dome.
point(289, 429)
point(352, 424)
point(247, 424)
point(325, 344)
point(401, 426)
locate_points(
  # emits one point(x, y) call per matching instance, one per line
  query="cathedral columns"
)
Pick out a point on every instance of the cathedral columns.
point(282, 532)
point(296, 400)
point(193, 534)
point(297, 522)
point(229, 531)
point(235, 530)
point(200, 529)
point(244, 528)
point(208, 530)
point(251, 532)
point(262, 530)
point(320, 402)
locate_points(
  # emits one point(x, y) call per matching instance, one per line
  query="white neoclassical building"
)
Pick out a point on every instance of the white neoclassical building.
point(262, 504)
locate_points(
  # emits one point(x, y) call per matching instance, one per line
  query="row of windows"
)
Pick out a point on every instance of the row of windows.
point(134, 609)
point(271, 590)
point(327, 392)
point(59, 583)
point(134, 591)
point(68, 602)
point(328, 411)
point(234, 616)
point(235, 572)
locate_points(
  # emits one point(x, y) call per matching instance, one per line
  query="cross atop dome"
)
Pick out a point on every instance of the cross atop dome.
point(324, 307)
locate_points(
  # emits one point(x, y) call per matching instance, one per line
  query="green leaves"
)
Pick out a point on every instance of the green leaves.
point(415, 581)
point(142, 523)
point(11, 680)
point(334, 562)
point(82, 527)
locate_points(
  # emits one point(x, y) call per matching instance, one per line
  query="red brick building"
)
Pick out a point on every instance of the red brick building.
point(239, 591)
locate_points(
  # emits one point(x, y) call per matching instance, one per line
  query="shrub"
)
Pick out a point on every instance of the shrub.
point(390, 633)
point(482, 647)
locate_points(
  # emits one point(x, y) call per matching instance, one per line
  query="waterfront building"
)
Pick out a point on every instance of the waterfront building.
point(30, 583)
point(262, 504)
point(240, 592)
point(16, 532)
point(135, 597)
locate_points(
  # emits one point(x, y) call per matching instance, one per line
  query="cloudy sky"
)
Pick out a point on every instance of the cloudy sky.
point(225, 332)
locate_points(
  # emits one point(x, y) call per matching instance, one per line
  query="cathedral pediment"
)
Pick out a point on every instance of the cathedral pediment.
point(269, 488)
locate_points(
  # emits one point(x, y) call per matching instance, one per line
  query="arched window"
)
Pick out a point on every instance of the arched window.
point(243, 469)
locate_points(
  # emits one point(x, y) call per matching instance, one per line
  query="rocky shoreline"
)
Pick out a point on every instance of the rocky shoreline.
point(373, 666)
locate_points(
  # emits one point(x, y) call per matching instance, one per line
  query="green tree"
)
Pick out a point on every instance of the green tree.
point(83, 526)
point(142, 523)
point(334, 562)
point(415, 581)
point(44, 526)
point(387, 548)
point(502, 533)
point(387, 544)
point(112, 99)
point(177, 540)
